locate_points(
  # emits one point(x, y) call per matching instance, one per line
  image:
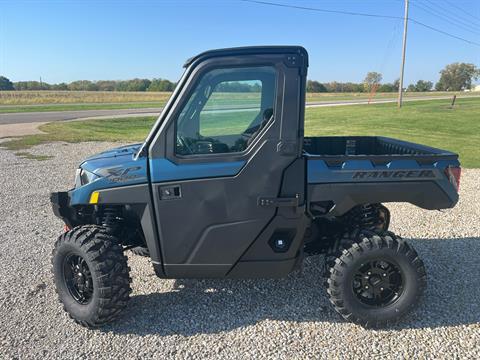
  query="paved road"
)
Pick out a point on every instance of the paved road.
point(32, 117)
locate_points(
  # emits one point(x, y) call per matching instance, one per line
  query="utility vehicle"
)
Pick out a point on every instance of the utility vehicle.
point(227, 186)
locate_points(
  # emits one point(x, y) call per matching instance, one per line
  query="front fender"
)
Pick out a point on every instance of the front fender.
point(65, 205)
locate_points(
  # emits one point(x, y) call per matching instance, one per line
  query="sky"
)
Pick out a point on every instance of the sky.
point(63, 41)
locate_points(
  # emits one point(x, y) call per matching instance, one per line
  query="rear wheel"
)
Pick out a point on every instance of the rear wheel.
point(91, 275)
point(377, 280)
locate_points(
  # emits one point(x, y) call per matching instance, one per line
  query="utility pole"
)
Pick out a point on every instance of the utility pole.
point(402, 68)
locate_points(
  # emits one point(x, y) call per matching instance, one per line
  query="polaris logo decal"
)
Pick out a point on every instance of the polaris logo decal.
point(409, 174)
point(120, 174)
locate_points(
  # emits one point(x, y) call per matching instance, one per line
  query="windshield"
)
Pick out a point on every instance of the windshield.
point(142, 151)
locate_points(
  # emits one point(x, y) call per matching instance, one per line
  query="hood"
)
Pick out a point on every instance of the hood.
point(118, 166)
point(115, 152)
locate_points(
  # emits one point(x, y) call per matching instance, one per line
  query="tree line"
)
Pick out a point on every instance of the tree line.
point(366, 86)
point(87, 85)
point(454, 77)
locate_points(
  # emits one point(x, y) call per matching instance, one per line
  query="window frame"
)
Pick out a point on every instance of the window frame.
point(161, 139)
point(171, 128)
point(190, 92)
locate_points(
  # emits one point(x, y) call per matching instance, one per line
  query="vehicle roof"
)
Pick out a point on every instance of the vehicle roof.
point(250, 50)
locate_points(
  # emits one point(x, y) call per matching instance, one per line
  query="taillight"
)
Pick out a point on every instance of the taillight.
point(453, 174)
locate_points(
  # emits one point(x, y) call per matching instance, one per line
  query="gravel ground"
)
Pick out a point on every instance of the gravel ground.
point(288, 318)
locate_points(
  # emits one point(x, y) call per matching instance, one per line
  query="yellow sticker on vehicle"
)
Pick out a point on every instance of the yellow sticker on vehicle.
point(94, 197)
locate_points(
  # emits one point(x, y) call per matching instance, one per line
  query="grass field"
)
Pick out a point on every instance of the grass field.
point(32, 101)
point(79, 97)
point(74, 107)
point(428, 122)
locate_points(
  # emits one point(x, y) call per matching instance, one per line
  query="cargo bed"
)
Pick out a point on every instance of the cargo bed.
point(375, 148)
point(346, 170)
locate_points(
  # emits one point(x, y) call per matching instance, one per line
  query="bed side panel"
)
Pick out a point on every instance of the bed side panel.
point(362, 181)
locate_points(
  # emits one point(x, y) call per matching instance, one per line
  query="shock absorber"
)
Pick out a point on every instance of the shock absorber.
point(368, 216)
point(111, 218)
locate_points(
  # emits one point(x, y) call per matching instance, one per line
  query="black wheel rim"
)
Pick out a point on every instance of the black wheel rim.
point(378, 283)
point(78, 278)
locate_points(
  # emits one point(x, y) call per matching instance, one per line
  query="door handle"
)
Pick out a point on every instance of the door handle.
point(169, 192)
point(279, 202)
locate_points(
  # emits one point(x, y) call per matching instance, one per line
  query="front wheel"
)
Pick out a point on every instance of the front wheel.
point(377, 280)
point(91, 275)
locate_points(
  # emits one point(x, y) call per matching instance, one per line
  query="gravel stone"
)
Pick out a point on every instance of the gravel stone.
point(289, 318)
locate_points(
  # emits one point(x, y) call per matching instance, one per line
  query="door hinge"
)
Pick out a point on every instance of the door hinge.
point(279, 202)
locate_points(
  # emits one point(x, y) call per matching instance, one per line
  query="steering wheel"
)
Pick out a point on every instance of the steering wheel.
point(181, 142)
point(257, 130)
point(247, 135)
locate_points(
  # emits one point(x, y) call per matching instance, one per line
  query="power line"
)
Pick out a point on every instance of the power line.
point(462, 10)
point(444, 32)
point(430, 10)
point(442, 17)
point(268, 3)
point(323, 10)
point(389, 48)
point(448, 12)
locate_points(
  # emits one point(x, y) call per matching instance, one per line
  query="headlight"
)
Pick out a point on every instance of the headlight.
point(84, 177)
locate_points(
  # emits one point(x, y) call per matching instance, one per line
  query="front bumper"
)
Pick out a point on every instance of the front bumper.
point(61, 206)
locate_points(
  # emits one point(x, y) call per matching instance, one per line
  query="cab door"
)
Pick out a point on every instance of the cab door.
point(230, 131)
